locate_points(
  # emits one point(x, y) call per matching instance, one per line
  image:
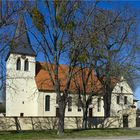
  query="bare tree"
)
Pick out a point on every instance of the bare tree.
point(9, 10)
point(109, 52)
point(115, 51)
point(55, 25)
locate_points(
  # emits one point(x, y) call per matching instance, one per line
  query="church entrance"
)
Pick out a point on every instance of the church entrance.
point(125, 121)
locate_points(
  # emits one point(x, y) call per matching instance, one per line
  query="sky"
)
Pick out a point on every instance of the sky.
point(117, 3)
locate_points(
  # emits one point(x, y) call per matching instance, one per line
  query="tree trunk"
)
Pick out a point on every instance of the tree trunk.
point(17, 123)
point(107, 101)
point(60, 98)
point(84, 124)
point(61, 119)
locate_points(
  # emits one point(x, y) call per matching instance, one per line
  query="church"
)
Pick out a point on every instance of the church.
point(28, 95)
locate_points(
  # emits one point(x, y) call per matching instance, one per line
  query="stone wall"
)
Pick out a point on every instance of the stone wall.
point(43, 123)
point(37, 123)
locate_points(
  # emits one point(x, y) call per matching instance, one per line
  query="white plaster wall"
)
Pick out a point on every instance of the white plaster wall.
point(95, 106)
point(117, 108)
point(126, 87)
point(53, 106)
point(121, 108)
point(21, 90)
point(41, 104)
point(73, 113)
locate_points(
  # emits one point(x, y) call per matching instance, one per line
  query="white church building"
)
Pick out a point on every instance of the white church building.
point(28, 96)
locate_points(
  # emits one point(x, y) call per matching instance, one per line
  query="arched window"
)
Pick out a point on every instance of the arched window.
point(47, 103)
point(18, 64)
point(26, 65)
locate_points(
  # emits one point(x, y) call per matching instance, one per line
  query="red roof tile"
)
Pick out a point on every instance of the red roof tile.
point(44, 82)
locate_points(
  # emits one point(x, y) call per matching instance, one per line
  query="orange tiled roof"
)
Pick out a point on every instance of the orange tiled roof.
point(44, 82)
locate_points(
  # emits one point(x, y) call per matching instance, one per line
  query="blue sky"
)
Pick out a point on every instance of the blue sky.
point(118, 3)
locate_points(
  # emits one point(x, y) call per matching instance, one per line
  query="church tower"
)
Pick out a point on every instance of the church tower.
point(21, 88)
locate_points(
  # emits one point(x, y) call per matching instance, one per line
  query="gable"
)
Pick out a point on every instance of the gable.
point(126, 88)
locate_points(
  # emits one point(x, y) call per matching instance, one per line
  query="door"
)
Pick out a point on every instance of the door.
point(125, 121)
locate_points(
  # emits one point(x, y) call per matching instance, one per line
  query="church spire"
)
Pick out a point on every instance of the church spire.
point(21, 43)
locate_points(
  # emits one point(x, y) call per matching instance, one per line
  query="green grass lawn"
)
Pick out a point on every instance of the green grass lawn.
point(51, 134)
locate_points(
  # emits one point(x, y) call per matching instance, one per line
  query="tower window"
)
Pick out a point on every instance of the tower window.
point(18, 64)
point(26, 65)
point(47, 103)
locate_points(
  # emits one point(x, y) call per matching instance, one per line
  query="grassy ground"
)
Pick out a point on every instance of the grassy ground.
point(51, 134)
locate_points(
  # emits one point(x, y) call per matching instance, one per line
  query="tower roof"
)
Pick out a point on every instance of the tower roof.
point(21, 43)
